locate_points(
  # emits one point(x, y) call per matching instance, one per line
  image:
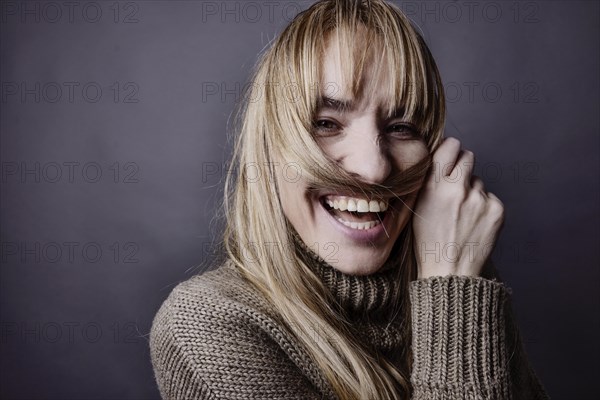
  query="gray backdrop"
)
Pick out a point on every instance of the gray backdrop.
point(113, 141)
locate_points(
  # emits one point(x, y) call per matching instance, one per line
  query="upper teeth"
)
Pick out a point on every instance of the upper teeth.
point(359, 205)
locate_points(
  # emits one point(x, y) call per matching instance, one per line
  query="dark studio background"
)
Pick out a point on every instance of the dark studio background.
point(113, 121)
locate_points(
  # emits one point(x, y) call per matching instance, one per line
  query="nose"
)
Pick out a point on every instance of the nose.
point(364, 155)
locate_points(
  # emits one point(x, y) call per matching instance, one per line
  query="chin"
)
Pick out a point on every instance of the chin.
point(359, 263)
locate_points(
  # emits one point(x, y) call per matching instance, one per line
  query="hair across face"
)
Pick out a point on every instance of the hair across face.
point(373, 40)
point(356, 227)
point(340, 54)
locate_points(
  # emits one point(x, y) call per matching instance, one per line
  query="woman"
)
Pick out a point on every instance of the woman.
point(353, 240)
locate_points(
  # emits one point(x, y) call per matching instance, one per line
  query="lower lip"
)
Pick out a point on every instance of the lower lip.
point(374, 234)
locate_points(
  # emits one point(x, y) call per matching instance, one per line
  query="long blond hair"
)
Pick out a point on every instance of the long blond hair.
point(276, 120)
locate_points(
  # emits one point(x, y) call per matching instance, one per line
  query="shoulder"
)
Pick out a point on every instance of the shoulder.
point(215, 300)
point(214, 336)
point(216, 303)
point(213, 289)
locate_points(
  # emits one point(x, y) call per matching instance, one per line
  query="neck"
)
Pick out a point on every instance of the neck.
point(359, 295)
point(373, 304)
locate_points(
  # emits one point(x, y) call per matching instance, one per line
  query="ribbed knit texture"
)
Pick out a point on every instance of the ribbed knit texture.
point(459, 339)
point(215, 337)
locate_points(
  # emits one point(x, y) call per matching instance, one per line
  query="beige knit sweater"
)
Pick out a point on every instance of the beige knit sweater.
point(215, 338)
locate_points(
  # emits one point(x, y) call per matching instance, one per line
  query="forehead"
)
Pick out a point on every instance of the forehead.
point(337, 80)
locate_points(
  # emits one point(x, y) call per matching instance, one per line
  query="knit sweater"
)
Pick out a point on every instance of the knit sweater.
point(215, 337)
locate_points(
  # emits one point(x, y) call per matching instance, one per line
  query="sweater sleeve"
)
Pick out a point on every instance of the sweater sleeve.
point(205, 346)
point(465, 343)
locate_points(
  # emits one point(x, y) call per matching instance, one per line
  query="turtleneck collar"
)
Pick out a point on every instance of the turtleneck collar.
point(360, 295)
point(370, 302)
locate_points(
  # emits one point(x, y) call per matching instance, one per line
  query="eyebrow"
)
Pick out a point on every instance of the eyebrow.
point(343, 106)
point(335, 104)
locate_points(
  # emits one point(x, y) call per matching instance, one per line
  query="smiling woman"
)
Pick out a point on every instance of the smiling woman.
point(325, 291)
point(373, 139)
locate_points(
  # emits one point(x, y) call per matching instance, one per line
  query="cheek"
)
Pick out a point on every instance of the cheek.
point(406, 212)
point(405, 157)
point(286, 196)
point(406, 154)
point(289, 199)
point(410, 201)
point(293, 199)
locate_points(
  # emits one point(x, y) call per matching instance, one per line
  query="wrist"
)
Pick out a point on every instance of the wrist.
point(446, 269)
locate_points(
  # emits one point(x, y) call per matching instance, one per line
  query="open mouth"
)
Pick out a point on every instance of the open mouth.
point(355, 213)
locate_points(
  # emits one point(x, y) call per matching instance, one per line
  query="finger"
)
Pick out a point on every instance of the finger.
point(477, 184)
point(494, 199)
point(464, 167)
point(445, 156)
point(496, 208)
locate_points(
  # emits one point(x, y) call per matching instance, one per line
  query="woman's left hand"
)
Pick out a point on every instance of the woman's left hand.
point(456, 222)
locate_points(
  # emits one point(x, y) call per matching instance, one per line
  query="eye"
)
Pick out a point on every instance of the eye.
point(325, 127)
point(402, 130)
